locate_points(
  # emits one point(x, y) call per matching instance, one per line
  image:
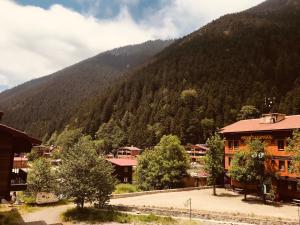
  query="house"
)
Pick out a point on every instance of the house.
point(123, 168)
point(128, 152)
point(13, 142)
point(196, 151)
point(274, 129)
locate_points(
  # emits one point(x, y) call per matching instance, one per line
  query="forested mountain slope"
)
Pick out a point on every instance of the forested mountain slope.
point(202, 80)
point(44, 105)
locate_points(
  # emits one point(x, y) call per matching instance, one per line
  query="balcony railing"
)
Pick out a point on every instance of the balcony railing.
point(18, 180)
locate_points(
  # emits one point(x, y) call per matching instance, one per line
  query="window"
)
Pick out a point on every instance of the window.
point(125, 179)
point(233, 145)
point(280, 145)
point(281, 165)
point(126, 169)
point(236, 144)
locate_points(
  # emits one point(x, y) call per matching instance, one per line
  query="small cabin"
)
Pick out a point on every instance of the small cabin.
point(13, 142)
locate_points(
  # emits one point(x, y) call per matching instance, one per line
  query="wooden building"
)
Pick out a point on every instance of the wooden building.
point(12, 142)
point(274, 129)
point(123, 168)
point(128, 152)
point(196, 151)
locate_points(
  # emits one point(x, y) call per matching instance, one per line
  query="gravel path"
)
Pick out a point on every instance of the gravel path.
point(201, 200)
point(226, 201)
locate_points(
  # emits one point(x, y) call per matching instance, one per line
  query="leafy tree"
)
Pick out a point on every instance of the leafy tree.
point(248, 112)
point(208, 126)
point(35, 154)
point(294, 148)
point(41, 177)
point(189, 96)
point(84, 176)
point(68, 138)
point(214, 159)
point(248, 165)
point(111, 134)
point(164, 166)
point(53, 138)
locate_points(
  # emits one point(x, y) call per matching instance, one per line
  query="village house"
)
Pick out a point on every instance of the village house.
point(13, 142)
point(197, 151)
point(128, 152)
point(274, 129)
point(123, 168)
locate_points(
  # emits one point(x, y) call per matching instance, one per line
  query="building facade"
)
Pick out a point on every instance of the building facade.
point(274, 130)
point(13, 142)
point(123, 169)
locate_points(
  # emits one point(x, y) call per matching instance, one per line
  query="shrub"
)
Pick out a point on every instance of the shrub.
point(125, 188)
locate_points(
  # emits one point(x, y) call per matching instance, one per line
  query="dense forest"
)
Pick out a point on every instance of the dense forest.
point(195, 86)
point(46, 104)
point(201, 82)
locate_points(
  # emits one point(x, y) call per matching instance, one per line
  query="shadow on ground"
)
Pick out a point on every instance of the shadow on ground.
point(228, 195)
point(258, 201)
point(13, 216)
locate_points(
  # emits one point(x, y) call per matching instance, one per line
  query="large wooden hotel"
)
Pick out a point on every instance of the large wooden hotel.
point(274, 129)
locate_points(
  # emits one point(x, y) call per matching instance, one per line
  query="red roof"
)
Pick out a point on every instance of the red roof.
point(123, 162)
point(288, 123)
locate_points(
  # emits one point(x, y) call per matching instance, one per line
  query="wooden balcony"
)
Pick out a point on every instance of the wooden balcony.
point(18, 180)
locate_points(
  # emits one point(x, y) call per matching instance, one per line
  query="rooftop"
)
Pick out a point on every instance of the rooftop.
point(123, 162)
point(19, 134)
point(131, 148)
point(252, 125)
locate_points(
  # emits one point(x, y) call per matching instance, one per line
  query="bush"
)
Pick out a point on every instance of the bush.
point(10, 218)
point(92, 215)
point(125, 188)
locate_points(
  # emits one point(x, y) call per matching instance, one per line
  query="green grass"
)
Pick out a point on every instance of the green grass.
point(11, 217)
point(125, 188)
point(92, 215)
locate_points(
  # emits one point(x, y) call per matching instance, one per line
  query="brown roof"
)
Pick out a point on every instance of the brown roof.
point(123, 162)
point(19, 134)
point(289, 123)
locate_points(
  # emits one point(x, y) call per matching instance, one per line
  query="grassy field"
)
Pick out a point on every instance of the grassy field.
point(125, 188)
point(92, 215)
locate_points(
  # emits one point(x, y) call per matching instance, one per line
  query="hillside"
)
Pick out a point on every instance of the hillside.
point(46, 104)
point(200, 82)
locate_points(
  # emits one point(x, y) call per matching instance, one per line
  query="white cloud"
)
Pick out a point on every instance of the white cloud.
point(36, 42)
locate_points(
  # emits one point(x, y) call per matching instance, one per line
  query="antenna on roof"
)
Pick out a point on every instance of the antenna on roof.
point(269, 103)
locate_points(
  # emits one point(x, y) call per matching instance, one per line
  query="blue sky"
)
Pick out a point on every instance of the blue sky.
point(39, 37)
point(103, 8)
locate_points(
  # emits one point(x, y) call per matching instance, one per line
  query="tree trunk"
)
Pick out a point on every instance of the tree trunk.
point(214, 189)
point(245, 195)
point(82, 203)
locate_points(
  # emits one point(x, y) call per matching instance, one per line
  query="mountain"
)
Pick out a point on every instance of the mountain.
point(200, 82)
point(44, 105)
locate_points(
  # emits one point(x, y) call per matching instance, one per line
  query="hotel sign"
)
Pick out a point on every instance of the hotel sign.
point(260, 137)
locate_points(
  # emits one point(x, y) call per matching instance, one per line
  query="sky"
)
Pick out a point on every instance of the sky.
point(39, 37)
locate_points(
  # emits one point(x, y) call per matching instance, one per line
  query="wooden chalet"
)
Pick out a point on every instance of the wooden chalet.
point(274, 129)
point(13, 142)
point(196, 151)
point(123, 168)
point(128, 152)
